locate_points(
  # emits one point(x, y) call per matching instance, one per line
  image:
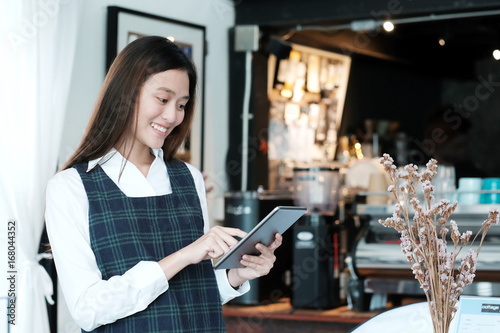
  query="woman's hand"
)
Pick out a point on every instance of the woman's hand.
point(208, 188)
point(255, 266)
point(215, 243)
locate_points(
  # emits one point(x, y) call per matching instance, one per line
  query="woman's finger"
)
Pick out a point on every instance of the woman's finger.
point(232, 231)
point(278, 240)
point(228, 234)
point(219, 240)
point(260, 265)
point(264, 250)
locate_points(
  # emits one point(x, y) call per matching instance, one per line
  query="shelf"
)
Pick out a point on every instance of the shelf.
point(462, 209)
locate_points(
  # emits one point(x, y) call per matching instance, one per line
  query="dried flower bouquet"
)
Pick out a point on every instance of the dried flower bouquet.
point(424, 241)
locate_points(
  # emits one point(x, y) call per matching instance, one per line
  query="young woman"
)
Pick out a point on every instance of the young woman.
point(128, 223)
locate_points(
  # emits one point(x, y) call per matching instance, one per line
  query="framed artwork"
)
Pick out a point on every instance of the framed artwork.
point(126, 25)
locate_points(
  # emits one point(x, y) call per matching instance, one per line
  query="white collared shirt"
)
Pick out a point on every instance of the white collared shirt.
point(91, 300)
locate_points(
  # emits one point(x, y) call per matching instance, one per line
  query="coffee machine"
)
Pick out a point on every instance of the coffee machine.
point(317, 237)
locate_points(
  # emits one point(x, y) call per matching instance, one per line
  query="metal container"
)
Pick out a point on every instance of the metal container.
point(241, 209)
point(317, 188)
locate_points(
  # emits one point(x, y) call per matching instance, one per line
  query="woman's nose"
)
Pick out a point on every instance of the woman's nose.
point(169, 114)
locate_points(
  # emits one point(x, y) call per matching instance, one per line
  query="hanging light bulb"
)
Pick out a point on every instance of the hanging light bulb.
point(388, 26)
point(496, 54)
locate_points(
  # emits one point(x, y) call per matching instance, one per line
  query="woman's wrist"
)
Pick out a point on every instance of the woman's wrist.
point(234, 279)
point(172, 264)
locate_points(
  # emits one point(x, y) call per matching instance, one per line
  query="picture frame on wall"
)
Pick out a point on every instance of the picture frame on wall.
point(125, 25)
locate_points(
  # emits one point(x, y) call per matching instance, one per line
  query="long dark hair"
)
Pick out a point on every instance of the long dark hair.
point(113, 113)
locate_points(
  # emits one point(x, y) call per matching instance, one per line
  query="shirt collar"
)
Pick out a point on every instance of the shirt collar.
point(113, 153)
point(158, 153)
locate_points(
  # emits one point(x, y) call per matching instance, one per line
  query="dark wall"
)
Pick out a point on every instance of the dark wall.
point(258, 122)
point(383, 90)
point(286, 12)
point(236, 91)
point(476, 102)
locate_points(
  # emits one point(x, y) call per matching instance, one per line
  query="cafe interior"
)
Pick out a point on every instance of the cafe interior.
point(299, 101)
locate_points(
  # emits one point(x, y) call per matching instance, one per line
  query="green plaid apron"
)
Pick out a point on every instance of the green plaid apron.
point(125, 230)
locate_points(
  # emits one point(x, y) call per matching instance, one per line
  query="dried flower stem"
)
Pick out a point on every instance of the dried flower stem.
point(424, 239)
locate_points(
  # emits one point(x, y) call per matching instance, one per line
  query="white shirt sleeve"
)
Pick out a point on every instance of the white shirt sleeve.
point(92, 301)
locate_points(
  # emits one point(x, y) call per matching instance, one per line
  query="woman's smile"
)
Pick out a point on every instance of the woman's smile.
point(159, 128)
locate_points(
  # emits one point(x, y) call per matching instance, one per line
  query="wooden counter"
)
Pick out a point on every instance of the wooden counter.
point(280, 317)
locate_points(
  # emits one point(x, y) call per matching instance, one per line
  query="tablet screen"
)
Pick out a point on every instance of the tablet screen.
point(278, 220)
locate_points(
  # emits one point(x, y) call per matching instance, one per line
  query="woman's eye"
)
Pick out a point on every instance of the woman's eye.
point(181, 107)
point(162, 100)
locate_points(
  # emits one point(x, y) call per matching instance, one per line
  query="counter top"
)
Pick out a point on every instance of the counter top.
point(281, 316)
point(284, 310)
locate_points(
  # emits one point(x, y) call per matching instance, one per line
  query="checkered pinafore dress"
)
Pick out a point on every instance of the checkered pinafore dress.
point(125, 230)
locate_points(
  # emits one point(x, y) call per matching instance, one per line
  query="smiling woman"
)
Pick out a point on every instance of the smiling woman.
point(128, 223)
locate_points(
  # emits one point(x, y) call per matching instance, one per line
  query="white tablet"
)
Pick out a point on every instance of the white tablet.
point(278, 220)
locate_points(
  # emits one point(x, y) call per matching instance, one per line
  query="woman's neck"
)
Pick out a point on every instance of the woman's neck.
point(138, 155)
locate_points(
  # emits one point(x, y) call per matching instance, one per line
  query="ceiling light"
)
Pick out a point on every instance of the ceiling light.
point(496, 54)
point(388, 26)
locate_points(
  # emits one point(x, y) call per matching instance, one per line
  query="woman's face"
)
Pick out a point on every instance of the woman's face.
point(163, 98)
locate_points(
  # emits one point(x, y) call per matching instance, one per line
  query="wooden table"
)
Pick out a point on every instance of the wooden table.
point(280, 317)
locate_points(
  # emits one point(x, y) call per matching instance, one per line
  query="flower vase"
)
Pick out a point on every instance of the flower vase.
point(440, 324)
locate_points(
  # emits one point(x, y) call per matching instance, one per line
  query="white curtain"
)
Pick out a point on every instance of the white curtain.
point(37, 44)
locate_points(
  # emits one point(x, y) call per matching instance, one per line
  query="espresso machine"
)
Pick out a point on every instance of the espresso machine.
point(379, 267)
point(317, 239)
